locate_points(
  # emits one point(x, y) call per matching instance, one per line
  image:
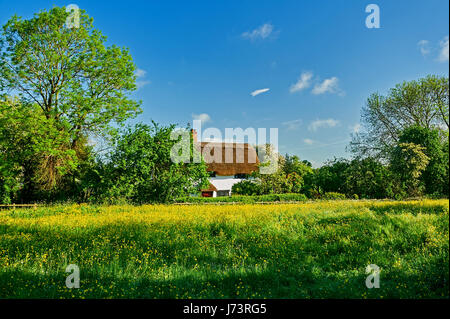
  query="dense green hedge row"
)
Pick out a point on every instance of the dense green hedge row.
point(245, 199)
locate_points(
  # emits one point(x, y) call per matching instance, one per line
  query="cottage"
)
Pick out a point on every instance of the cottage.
point(227, 163)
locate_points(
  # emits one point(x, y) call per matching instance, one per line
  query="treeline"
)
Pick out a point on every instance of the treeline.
point(362, 178)
point(71, 94)
point(62, 135)
point(402, 151)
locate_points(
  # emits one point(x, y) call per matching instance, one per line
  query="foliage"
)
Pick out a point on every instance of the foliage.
point(434, 175)
point(34, 154)
point(246, 187)
point(245, 199)
point(333, 195)
point(408, 162)
point(365, 178)
point(331, 176)
point(303, 250)
point(69, 73)
point(70, 86)
point(287, 178)
point(422, 103)
point(141, 170)
point(368, 178)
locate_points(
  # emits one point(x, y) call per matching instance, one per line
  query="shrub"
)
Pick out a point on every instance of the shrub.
point(333, 195)
point(246, 187)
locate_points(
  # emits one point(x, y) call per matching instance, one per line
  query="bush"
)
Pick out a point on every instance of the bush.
point(246, 187)
point(333, 195)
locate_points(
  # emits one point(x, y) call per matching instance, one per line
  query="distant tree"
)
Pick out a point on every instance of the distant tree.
point(288, 176)
point(434, 175)
point(409, 162)
point(368, 178)
point(422, 103)
point(331, 177)
point(295, 183)
point(365, 178)
point(293, 164)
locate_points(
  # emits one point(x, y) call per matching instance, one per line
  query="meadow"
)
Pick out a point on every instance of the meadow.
point(297, 250)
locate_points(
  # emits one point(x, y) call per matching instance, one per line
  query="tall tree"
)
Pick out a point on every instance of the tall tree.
point(421, 103)
point(72, 83)
point(409, 162)
point(434, 175)
point(68, 72)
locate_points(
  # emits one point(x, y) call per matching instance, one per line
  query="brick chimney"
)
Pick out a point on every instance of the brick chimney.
point(194, 135)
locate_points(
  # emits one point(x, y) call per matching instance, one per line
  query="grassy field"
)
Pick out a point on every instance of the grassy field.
point(303, 250)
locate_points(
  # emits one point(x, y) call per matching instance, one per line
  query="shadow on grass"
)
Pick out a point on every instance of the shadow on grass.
point(250, 283)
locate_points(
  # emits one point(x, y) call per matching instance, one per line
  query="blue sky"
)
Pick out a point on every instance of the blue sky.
point(318, 59)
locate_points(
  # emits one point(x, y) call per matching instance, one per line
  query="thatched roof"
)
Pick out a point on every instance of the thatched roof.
point(227, 159)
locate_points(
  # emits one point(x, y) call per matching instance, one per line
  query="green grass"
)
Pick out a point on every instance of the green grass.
point(303, 250)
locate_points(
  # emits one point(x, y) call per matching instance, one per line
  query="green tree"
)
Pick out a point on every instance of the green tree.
point(331, 177)
point(73, 83)
point(34, 154)
point(421, 103)
point(246, 187)
point(293, 164)
point(140, 168)
point(409, 162)
point(368, 178)
point(434, 175)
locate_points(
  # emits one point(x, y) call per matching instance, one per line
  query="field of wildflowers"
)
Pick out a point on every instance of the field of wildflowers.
point(301, 250)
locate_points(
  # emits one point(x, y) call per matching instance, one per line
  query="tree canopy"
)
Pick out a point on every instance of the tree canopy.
point(422, 103)
point(74, 78)
point(69, 86)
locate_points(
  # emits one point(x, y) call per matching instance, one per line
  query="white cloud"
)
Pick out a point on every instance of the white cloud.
point(262, 32)
point(140, 84)
point(292, 125)
point(330, 85)
point(140, 73)
point(443, 54)
point(424, 46)
point(355, 128)
point(315, 125)
point(201, 117)
point(308, 141)
point(302, 83)
point(256, 92)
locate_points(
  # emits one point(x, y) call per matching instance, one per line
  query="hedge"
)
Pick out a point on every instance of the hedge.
point(333, 195)
point(245, 199)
